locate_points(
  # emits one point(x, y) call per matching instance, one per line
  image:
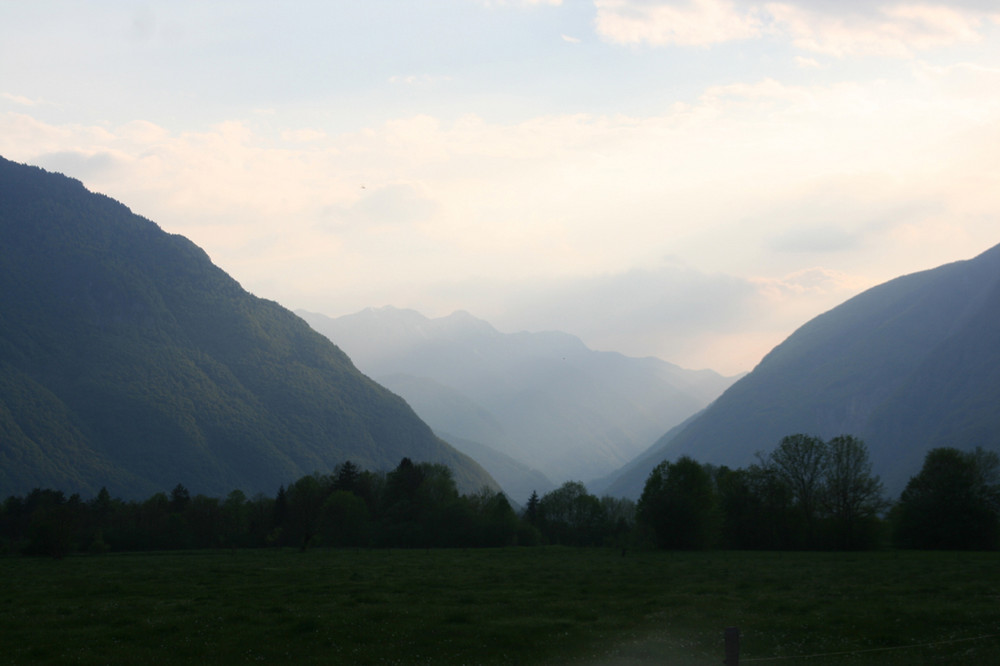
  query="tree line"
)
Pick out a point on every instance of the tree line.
point(414, 505)
point(813, 494)
point(805, 494)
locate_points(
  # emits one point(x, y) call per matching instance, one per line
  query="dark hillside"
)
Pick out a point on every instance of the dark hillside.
point(128, 359)
point(908, 365)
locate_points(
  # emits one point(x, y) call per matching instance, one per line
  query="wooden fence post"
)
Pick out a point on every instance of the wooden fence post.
point(732, 646)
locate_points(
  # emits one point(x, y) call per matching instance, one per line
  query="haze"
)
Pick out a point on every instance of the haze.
point(686, 179)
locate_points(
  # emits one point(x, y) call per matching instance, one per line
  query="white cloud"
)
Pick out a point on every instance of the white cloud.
point(894, 30)
point(875, 27)
point(83, 165)
point(813, 238)
point(813, 280)
point(303, 135)
point(417, 79)
point(671, 310)
point(389, 206)
point(21, 100)
point(521, 3)
point(686, 23)
point(749, 184)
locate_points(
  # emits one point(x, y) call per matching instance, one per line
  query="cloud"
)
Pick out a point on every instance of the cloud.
point(82, 165)
point(815, 239)
point(813, 280)
point(303, 135)
point(671, 310)
point(893, 30)
point(748, 184)
point(686, 23)
point(872, 28)
point(674, 311)
point(672, 300)
point(393, 205)
point(417, 80)
point(807, 63)
point(521, 3)
point(21, 100)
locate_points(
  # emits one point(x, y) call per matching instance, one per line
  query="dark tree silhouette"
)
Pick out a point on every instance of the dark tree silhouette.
point(570, 515)
point(346, 477)
point(531, 510)
point(952, 503)
point(179, 498)
point(852, 496)
point(757, 508)
point(800, 462)
point(678, 504)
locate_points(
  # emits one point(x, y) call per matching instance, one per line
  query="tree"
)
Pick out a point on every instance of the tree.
point(399, 496)
point(260, 516)
point(851, 496)
point(800, 461)
point(346, 476)
point(619, 517)
point(757, 509)
point(15, 518)
point(101, 508)
point(678, 504)
point(494, 521)
point(179, 498)
point(53, 522)
point(419, 501)
point(153, 522)
point(570, 515)
point(952, 503)
point(204, 526)
point(279, 517)
point(528, 533)
point(305, 499)
point(370, 487)
point(235, 519)
point(437, 506)
point(531, 510)
point(343, 520)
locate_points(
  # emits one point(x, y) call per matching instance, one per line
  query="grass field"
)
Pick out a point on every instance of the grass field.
point(517, 606)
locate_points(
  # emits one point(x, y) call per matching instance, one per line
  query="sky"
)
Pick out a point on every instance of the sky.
point(687, 179)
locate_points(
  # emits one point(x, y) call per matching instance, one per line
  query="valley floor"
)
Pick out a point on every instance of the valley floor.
point(585, 607)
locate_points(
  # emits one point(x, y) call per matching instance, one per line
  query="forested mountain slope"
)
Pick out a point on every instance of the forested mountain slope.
point(908, 365)
point(129, 360)
point(544, 399)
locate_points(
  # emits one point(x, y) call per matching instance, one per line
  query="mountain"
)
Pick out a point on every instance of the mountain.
point(449, 406)
point(129, 360)
point(908, 365)
point(543, 399)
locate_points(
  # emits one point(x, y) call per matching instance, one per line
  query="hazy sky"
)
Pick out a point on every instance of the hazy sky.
point(690, 179)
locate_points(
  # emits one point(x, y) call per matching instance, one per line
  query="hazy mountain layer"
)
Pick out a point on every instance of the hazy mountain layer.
point(544, 399)
point(426, 396)
point(128, 360)
point(909, 365)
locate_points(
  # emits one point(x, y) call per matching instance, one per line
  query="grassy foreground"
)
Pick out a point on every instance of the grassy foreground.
point(526, 605)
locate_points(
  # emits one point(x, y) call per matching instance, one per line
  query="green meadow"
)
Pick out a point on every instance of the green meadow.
point(505, 606)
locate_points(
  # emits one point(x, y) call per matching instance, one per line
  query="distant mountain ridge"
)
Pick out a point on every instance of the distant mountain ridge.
point(543, 399)
point(129, 360)
point(909, 365)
